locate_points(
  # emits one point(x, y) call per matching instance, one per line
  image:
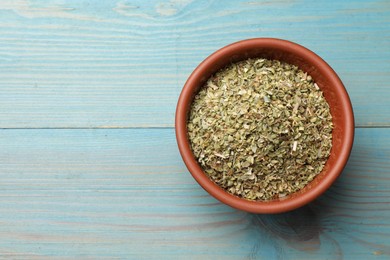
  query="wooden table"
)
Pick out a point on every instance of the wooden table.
point(89, 166)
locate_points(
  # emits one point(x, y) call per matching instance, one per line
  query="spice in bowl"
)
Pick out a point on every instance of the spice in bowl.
point(260, 129)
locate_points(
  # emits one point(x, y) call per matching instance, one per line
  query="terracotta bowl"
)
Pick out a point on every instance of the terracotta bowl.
point(326, 79)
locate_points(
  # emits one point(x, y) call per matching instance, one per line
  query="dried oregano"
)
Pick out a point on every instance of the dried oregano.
point(261, 129)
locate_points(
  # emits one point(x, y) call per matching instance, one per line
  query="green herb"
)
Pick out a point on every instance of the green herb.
point(260, 129)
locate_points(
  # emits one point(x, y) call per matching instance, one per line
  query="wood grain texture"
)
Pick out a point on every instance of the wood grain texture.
point(86, 64)
point(124, 193)
point(70, 189)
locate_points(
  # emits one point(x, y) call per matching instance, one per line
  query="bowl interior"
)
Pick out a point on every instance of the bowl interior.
point(326, 79)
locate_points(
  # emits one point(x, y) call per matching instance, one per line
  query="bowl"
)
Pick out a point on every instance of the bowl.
point(334, 93)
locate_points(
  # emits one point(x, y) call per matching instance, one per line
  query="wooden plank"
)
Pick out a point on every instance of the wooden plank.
point(122, 193)
point(123, 63)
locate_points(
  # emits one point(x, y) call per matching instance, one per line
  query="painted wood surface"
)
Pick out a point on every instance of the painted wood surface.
point(89, 167)
point(123, 63)
point(124, 193)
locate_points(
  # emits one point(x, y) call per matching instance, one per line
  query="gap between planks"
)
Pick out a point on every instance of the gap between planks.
point(136, 127)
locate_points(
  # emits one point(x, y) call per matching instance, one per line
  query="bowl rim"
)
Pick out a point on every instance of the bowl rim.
point(274, 206)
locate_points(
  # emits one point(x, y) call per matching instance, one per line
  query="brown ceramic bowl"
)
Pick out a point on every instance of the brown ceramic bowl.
point(326, 79)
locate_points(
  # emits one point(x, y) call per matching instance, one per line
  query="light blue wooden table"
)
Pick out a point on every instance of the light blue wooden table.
point(89, 166)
